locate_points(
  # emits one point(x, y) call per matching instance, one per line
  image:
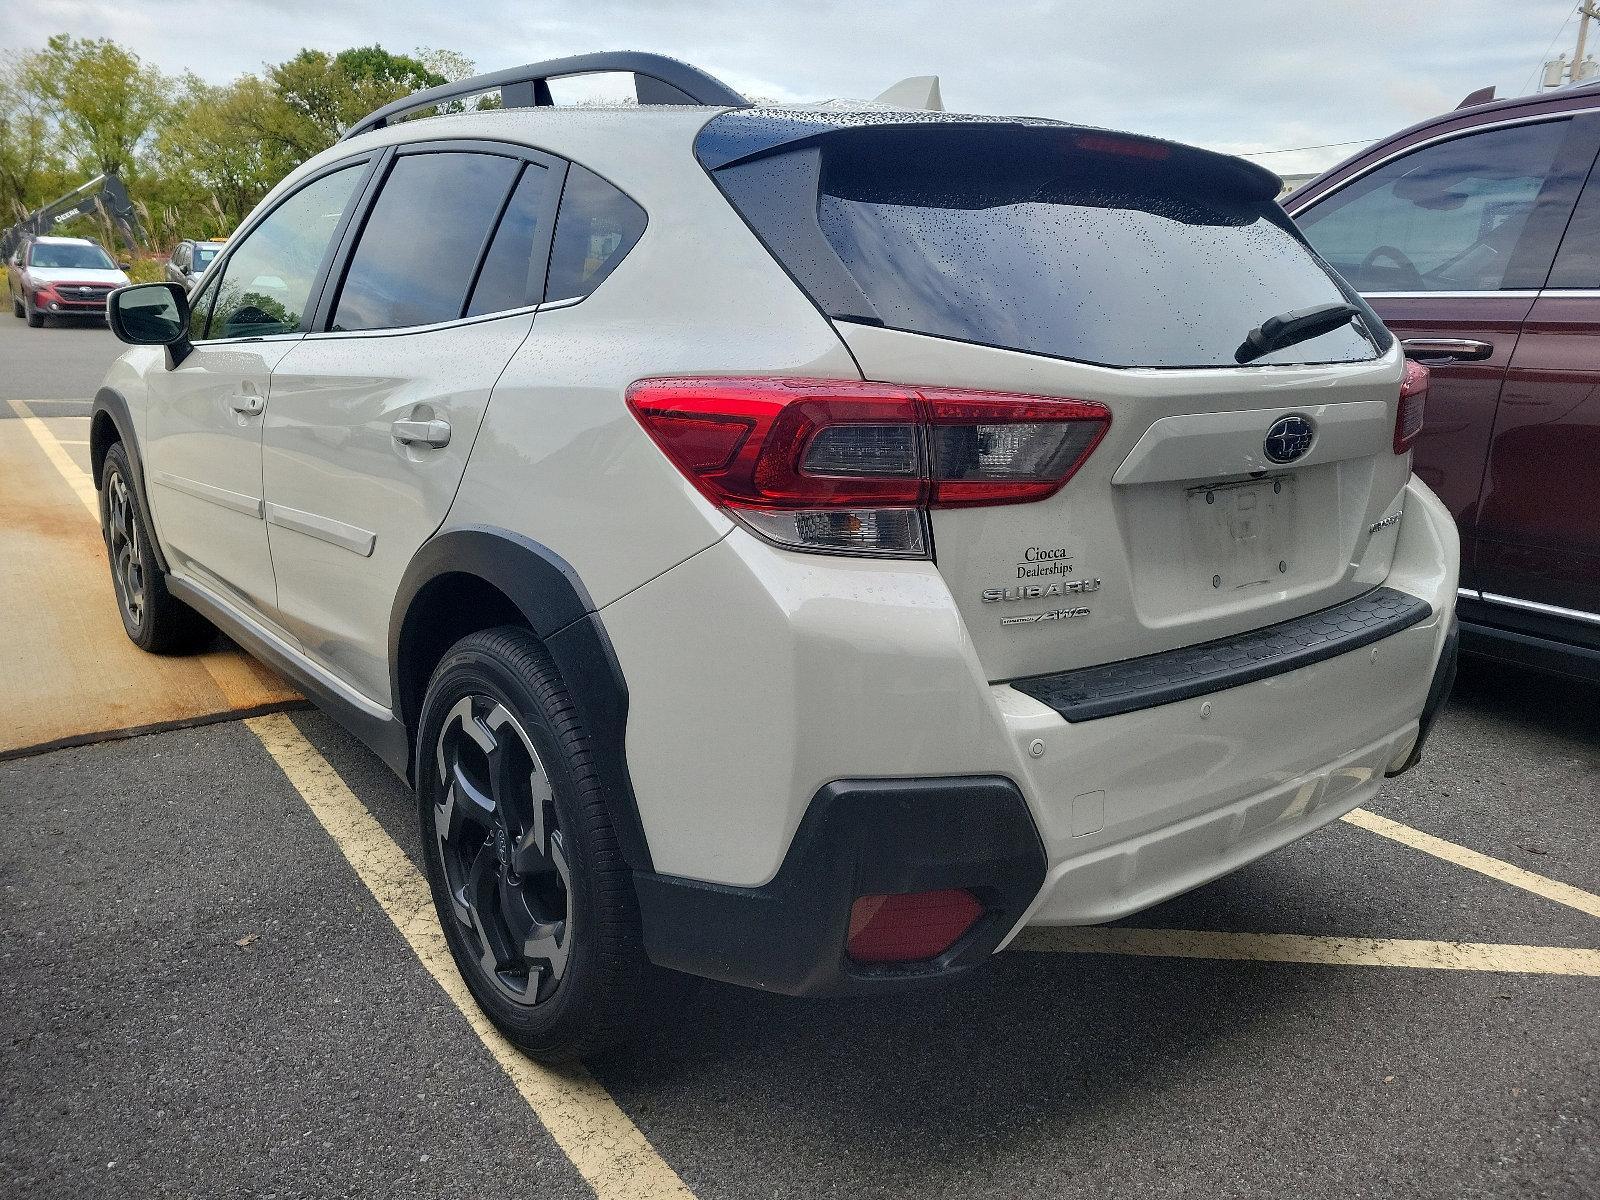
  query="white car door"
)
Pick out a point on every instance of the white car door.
point(202, 437)
point(373, 413)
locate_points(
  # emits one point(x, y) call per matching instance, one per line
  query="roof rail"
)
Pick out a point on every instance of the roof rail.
point(657, 79)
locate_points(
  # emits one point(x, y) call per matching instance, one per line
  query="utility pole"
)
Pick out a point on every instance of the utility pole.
point(1586, 10)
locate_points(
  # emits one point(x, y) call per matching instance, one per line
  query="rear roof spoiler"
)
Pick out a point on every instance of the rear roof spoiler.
point(657, 79)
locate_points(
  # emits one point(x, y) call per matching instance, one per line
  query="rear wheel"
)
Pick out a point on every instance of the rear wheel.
point(535, 899)
point(153, 617)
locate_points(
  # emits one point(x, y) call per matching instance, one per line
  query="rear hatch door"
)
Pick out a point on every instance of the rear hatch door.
point(1061, 262)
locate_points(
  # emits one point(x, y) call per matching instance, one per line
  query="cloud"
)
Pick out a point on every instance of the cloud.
point(1247, 75)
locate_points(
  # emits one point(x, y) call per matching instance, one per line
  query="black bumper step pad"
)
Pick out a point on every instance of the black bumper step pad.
point(1123, 687)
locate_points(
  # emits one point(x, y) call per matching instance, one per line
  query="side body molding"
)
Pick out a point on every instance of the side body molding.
point(557, 607)
point(110, 405)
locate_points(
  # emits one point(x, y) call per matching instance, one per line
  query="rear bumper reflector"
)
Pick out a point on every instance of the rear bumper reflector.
point(1137, 683)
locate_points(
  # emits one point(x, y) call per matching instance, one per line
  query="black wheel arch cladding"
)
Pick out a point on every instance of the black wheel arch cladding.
point(550, 597)
point(111, 421)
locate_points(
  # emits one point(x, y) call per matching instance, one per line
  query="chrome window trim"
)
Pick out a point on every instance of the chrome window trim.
point(293, 335)
point(475, 319)
point(1549, 610)
point(1452, 135)
point(1510, 294)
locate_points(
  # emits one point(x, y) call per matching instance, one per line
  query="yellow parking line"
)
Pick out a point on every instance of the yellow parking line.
point(238, 677)
point(1472, 860)
point(606, 1147)
point(1304, 948)
point(77, 478)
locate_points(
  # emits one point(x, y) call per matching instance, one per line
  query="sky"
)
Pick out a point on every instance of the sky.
point(1243, 76)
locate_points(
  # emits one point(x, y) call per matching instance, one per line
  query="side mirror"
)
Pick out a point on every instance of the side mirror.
point(123, 264)
point(151, 314)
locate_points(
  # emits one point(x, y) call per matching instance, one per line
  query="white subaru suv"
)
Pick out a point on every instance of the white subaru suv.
point(799, 548)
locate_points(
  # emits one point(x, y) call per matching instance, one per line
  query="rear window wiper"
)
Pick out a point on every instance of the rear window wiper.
point(1290, 328)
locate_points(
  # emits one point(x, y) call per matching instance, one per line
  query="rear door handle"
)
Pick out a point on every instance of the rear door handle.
point(247, 405)
point(1459, 349)
point(435, 433)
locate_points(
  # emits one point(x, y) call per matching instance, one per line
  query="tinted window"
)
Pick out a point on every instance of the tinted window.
point(1578, 262)
point(200, 312)
point(422, 241)
point(202, 257)
point(90, 258)
point(1043, 239)
point(513, 272)
point(266, 283)
point(597, 227)
point(1448, 217)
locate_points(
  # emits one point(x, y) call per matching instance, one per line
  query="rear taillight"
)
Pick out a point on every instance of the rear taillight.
point(1413, 404)
point(909, 927)
point(847, 467)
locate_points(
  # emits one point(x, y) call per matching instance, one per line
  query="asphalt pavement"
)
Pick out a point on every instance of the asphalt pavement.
point(202, 994)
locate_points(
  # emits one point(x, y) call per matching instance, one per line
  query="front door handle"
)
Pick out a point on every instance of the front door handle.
point(435, 433)
point(247, 405)
point(1458, 349)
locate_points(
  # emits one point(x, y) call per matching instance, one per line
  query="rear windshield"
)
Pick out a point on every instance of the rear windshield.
point(1097, 248)
point(203, 256)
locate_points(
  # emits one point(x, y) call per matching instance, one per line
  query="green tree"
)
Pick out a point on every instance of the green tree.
point(28, 148)
point(211, 165)
point(107, 104)
point(321, 94)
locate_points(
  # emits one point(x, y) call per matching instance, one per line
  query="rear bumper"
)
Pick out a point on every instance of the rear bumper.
point(859, 837)
point(826, 670)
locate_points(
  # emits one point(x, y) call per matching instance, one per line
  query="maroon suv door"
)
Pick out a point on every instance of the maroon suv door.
point(1539, 517)
point(1449, 238)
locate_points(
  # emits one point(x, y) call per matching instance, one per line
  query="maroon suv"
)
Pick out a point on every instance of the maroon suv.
point(1476, 237)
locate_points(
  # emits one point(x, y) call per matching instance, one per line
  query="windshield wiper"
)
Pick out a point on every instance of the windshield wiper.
point(1290, 328)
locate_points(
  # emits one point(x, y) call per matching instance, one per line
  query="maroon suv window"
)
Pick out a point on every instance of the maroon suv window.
point(1454, 216)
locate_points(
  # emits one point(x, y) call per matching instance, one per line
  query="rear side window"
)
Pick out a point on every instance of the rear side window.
point(513, 272)
point(1455, 216)
point(423, 240)
point(1050, 240)
point(597, 227)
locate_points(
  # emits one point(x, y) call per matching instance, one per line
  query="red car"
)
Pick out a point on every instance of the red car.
point(1476, 237)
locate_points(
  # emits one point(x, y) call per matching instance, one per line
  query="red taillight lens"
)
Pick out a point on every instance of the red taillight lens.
point(909, 927)
point(851, 467)
point(1413, 405)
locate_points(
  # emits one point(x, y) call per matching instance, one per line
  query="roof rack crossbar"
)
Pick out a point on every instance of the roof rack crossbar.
point(657, 80)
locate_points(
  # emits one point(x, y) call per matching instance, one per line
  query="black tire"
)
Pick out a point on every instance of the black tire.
point(546, 936)
point(155, 619)
point(35, 317)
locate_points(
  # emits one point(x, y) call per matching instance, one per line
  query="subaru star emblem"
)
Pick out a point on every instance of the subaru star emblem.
point(1289, 438)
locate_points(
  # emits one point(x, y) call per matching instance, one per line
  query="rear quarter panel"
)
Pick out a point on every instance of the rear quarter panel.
point(559, 458)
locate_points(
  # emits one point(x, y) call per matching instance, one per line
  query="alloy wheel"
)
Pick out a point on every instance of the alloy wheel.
point(502, 848)
point(122, 537)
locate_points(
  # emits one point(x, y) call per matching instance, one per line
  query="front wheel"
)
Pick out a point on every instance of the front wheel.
point(536, 901)
point(155, 619)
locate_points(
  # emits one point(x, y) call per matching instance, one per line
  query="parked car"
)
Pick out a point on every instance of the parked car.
point(61, 277)
point(190, 258)
point(794, 547)
point(1476, 237)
